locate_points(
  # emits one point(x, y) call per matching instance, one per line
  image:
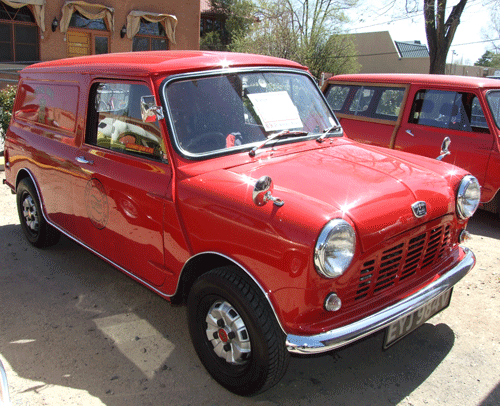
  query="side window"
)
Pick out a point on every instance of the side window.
point(117, 124)
point(361, 102)
point(478, 120)
point(336, 96)
point(389, 104)
point(447, 109)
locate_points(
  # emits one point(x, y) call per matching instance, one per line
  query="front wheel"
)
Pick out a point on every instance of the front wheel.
point(235, 333)
point(38, 232)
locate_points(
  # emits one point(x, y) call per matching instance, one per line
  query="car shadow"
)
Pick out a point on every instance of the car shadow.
point(484, 223)
point(71, 320)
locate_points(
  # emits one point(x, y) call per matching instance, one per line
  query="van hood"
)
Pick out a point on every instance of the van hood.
point(374, 189)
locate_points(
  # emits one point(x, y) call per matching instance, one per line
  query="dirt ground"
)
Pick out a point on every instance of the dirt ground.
point(75, 331)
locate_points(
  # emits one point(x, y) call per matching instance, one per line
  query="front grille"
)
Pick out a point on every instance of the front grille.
point(402, 262)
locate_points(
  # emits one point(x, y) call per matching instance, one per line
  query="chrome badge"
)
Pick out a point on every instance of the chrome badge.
point(419, 209)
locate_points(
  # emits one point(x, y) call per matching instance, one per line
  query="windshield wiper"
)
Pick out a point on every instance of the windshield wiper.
point(281, 134)
point(327, 131)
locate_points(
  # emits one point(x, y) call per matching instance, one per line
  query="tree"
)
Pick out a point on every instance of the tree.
point(306, 31)
point(233, 19)
point(440, 31)
point(489, 60)
point(7, 96)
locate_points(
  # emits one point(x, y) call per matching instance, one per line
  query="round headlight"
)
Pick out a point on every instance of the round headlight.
point(468, 196)
point(335, 248)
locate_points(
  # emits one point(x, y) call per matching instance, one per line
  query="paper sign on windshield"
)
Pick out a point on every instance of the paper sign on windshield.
point(276, 110)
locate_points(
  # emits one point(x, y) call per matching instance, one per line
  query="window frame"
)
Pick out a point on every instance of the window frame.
point(471, 129)
point(12, 23)
point(344, 112)
point(93, 34)
point(150, 37)
point(93, 123)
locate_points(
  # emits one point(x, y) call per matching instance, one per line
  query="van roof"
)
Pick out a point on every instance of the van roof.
point(158, 62)
point(401, 78)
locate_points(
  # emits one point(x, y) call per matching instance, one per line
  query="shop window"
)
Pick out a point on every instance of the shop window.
point(19, 38)
point(151, 37)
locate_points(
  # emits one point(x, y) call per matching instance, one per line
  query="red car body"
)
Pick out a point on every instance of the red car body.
point(166, 220)
point(473, 130)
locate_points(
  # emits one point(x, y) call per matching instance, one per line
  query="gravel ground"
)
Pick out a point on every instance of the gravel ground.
point(75, 331)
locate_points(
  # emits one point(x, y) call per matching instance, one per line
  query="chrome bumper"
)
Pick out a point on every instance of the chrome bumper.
point(341, 336)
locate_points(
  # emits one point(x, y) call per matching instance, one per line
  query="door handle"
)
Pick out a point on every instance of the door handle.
point(82, 160)
point(410, 133)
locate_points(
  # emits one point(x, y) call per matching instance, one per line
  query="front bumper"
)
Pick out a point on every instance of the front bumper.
point(344, 335)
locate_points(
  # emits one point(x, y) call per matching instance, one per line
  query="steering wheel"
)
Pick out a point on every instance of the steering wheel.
point(206, 142)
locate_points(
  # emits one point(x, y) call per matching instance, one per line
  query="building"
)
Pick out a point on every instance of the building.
point(43, 30)
point(378, 53)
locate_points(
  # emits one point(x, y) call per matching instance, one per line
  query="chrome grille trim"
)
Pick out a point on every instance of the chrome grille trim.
point(403, 261)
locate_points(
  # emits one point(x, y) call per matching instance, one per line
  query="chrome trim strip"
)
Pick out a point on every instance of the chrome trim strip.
point(135, 277)
point(227, 71)
point(249, 274)
point(347, 334)
point(70, 236)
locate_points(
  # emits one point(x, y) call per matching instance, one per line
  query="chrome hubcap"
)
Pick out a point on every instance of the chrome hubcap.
point(227, 333)
point(30, 214)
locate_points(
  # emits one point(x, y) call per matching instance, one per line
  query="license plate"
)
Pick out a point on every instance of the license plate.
point(410, 322)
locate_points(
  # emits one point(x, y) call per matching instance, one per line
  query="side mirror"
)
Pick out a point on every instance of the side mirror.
point(262, 192)
point(150, 112)
point(444, 148)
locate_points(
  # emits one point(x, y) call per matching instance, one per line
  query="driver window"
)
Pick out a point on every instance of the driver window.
point(118, 124)
point(446, 109)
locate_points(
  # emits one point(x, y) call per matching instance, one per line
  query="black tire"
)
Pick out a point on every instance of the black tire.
point(255, 342)
point(38, 232)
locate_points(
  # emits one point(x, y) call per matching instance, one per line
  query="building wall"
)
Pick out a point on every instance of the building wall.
point(187, 33)
point(378, 54)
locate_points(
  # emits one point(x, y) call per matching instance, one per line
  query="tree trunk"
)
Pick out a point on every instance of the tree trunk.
point(439, 32)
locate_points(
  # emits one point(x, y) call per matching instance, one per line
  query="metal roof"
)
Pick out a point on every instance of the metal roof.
point(411, 50)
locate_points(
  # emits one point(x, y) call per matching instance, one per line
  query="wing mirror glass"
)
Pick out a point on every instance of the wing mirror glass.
point(444, 148)
point(150, 112)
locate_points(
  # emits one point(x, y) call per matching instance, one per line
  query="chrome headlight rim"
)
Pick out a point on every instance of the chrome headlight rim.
point(467, 204)
point(323, 264)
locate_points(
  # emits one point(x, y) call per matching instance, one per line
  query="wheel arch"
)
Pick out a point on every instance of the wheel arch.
point(205, 262)
point(24, 173)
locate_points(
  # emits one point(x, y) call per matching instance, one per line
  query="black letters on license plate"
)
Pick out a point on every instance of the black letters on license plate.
point(410, 322)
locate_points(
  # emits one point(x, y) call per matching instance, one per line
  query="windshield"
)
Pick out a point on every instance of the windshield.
point(493, 98)
point(240, 110)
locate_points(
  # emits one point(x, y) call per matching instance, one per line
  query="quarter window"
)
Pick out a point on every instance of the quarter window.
point(117, 123)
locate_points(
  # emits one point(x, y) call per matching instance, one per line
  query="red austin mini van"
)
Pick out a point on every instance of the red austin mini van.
point(225, 181)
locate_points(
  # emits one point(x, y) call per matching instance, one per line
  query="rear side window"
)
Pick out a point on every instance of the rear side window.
point(116, 122)
point(378, 102)
point(336, 96)
point(447, 109)
point(52, 105)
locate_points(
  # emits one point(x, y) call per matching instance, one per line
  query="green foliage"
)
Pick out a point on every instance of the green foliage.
point(7, 97)
point(306, 31)
point(489, 60)
point(235, 17)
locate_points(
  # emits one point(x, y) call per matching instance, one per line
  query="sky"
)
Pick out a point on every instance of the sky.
point(467, 46)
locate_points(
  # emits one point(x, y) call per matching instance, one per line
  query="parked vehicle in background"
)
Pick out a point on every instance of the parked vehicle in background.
point(415, 113)
point(224, 181)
